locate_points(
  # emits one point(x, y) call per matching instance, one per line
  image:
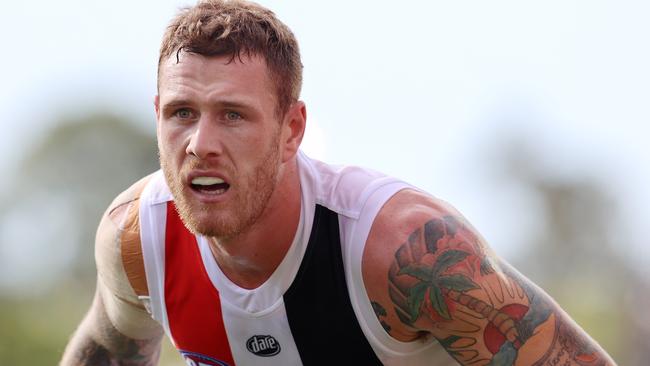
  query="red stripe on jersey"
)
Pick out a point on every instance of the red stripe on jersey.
point(193, 305)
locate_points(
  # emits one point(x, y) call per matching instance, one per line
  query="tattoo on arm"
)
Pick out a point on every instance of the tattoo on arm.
point(381, 312)
point(130, 352)
point(98, 342)
point(482, 311)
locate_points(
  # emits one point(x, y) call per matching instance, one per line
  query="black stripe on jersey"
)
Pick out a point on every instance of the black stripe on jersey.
point(321, 318)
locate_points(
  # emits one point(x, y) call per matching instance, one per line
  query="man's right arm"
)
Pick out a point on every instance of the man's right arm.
point(98, 342)
point(117, 330)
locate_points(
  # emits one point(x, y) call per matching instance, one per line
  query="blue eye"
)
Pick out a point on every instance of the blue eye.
point(233, 116)
point(184, 113)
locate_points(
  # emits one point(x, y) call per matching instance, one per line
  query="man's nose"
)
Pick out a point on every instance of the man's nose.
point(205, 141)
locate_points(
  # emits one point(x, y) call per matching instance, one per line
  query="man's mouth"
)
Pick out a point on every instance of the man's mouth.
point(209, 185)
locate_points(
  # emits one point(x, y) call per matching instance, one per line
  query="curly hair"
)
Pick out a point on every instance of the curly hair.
point(235, 28)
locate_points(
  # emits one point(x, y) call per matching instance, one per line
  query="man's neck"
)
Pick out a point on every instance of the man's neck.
point(250, 258)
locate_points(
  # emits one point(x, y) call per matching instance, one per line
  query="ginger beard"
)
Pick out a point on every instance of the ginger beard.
point(251, 194)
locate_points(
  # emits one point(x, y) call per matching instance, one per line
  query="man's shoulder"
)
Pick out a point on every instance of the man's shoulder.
point(342, 188)
point(408, 210)
point(337, 174)
point(409, 216)
point(118, 253)
point(118, 208)
point(397, 232)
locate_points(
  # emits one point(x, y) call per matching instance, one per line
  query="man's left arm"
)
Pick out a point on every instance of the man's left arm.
point(428, 273)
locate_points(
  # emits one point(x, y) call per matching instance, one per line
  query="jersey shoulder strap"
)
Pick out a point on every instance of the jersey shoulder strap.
point(125, 214)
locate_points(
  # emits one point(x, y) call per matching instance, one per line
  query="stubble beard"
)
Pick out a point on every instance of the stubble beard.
point(243, 209)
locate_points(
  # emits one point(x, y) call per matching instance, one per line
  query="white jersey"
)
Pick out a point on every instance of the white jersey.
point(312, 310)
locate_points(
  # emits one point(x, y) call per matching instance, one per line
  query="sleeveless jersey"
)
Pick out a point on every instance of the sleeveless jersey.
point(313, 310)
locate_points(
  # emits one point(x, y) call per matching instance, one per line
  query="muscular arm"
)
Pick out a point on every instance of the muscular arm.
point(98, 342)
point(440, 278)
point(117, 330)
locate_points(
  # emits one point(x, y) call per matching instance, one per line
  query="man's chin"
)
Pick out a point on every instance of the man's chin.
point(210, 225)
point(205, 229)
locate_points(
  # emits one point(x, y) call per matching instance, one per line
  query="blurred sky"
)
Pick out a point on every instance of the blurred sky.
point(423, 90)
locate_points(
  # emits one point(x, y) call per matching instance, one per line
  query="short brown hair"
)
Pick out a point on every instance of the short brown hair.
point(233, 27)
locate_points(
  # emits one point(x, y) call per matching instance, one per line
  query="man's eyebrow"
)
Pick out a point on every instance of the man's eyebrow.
point(233, 104)
point(223, 103)
point(176, 103)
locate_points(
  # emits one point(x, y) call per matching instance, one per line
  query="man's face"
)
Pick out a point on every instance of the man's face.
point(219, 140)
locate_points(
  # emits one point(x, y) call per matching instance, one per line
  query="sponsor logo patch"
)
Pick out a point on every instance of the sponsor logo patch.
point(197, 359)
point(263, 345)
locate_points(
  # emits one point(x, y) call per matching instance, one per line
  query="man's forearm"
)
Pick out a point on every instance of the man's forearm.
point(87, 351)
point(97, 342)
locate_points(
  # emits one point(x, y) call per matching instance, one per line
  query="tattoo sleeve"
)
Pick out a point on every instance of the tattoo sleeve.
point(130, 352)
point(98, 342)
point(444, 280)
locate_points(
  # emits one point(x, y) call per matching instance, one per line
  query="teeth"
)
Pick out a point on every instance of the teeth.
point(207, 181)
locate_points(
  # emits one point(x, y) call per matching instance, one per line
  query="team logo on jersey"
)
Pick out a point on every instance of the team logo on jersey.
point(197, 359)
point(263, 345)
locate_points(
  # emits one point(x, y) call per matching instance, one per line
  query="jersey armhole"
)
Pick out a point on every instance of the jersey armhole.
point(132, 258)
point(387, 347)
point(127, 214)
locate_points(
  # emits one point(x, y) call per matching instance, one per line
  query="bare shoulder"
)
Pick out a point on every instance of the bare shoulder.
point(403, 227)
point(117, 246)
point(427, 271)
point(118, 208)
point(407, 216)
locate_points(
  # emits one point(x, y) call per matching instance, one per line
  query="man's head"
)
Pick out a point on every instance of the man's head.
point(234, 28)
point(229, 122)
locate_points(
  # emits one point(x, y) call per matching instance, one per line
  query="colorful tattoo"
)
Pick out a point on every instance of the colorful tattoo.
point(381, 312)
point(481, 311)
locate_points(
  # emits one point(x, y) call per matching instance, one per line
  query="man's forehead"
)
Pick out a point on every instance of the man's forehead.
point(192, 65)
point(194, 75)
point(178, 60)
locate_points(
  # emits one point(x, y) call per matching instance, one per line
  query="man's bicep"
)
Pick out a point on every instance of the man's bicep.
point(126, 316)
point(442, 279)
point(121, 302)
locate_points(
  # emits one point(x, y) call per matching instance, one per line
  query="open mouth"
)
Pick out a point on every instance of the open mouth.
point(209, 185)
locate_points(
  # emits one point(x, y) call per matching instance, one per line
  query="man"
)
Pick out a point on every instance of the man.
point(245, 251)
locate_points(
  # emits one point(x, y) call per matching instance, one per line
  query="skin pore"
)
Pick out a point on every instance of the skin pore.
point(218, 123)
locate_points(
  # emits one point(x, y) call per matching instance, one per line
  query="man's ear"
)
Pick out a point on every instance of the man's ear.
point(293, 129)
